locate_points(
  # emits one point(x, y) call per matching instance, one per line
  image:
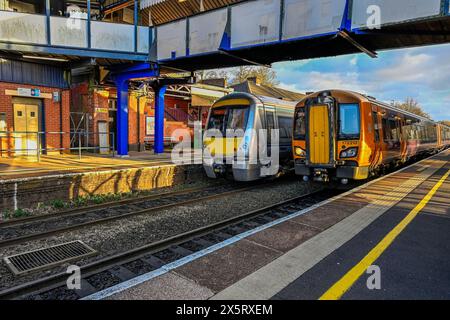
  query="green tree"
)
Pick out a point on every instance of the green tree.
point(413, 106)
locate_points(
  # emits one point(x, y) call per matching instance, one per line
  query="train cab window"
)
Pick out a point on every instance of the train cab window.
point(234, 117)
point(349, 121)
point(300, 124)
point(217, 119)
point(237, 118)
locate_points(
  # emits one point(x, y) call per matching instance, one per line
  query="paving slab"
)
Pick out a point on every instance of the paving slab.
point(169, 286)
point(228, 265)
point(285, 236)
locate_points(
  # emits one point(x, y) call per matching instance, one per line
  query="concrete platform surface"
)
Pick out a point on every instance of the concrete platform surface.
point(27, 184)
point(15, 168)
point(399, 223)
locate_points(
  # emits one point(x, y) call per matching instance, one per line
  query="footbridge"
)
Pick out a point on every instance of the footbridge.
point(257, 32)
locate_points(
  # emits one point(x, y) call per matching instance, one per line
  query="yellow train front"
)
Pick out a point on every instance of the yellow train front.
point(239, 156)
point(345, 135)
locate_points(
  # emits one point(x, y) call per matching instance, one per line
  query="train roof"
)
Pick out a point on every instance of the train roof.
point(375, 101)
point(259, 98)
point(276, 102)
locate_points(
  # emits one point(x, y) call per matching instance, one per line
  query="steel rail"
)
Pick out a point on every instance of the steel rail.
point(106, 263)
point(49, 233)
point(109, 204)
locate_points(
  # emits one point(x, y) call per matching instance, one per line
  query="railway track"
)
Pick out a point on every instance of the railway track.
point(113, 270)
point(40, 227)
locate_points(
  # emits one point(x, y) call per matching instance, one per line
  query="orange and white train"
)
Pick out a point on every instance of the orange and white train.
point(345, 135)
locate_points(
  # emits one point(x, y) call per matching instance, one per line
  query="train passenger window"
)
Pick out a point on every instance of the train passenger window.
point(393, 126)
point(270, 118)
point(300, 124)
point(386, 131)
point(349, 121)
point(285, 125)
point(375, 126)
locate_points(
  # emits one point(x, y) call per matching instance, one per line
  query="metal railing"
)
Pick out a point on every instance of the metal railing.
point(38, 144)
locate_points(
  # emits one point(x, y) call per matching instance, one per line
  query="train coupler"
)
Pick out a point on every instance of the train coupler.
point(321, 175)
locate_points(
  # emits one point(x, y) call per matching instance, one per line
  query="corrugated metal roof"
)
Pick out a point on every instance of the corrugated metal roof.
point(171, 10)
point(32, 73)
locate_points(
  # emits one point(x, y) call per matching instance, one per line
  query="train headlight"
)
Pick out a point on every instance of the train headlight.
point(349, 153)
point(300, 152)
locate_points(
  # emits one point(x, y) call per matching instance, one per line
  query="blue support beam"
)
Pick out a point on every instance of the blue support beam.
point(121, 77)
point(136, 17)
point(346, 23)
point(122, 116)
point(159, 119)
point(47, 24)
point(89, 39)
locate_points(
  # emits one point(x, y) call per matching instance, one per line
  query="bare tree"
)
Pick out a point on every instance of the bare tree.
point(413, 106)
point(265, 76)
point(213, 74)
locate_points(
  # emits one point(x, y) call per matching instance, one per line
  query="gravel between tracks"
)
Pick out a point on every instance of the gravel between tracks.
point(122, 235)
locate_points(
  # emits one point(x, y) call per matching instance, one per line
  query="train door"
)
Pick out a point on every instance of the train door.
point(377, 151)
point(26, 126)
point(270, 126)
point(319, 134)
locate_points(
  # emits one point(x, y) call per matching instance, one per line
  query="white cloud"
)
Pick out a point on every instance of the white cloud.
point(410, 68)
point(316, 81)
point(421, 73)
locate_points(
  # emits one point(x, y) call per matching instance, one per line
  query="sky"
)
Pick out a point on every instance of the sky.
point(421, 73)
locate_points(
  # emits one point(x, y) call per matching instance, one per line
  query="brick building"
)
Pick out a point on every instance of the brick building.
point(34, 109)
point(95, 106)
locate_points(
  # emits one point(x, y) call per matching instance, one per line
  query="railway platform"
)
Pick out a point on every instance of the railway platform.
point(386, 239)
point(25, 183)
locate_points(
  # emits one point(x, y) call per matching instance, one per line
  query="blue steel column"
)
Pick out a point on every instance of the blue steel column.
point(89, 26)
point(122, 116)
point(47, 24)
point(136, 17)
point(159, 119)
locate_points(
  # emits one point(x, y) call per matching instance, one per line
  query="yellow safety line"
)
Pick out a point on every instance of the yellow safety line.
point(344, 284)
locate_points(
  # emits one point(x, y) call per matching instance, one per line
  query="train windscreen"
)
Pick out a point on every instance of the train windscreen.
point(233, 117)
point(349, 121)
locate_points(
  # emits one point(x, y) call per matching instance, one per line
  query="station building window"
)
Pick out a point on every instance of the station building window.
point(3, 125)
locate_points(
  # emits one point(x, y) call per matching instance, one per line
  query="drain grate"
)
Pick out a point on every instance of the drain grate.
point(47, 257)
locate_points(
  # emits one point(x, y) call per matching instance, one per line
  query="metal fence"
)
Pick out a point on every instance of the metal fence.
point(23, 143)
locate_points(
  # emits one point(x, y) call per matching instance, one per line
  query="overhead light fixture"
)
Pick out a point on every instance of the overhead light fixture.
point(45, 58)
